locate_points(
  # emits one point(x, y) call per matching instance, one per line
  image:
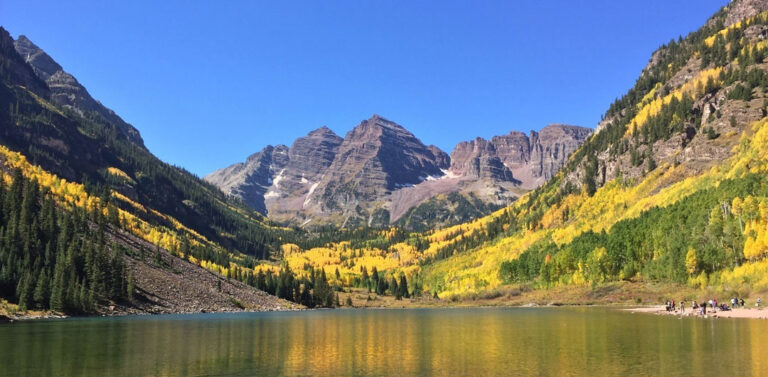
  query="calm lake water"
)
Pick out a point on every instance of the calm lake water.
point(421, 342)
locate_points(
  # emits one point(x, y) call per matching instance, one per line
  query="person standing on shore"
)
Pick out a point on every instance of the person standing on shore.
point(742, 303)
point(682, 307)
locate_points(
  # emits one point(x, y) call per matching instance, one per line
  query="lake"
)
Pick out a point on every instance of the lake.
point(408, 342)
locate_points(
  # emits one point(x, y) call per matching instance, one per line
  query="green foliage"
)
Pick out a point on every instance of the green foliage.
point(711, 133)
point(651, 244)
point(740, 92)
point(313, 291)
point(55, 259)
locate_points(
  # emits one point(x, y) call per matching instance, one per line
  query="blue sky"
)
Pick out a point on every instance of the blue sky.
point(208, 83)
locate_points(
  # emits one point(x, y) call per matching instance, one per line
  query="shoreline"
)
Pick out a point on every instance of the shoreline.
point(11, 318)
point(739, 313)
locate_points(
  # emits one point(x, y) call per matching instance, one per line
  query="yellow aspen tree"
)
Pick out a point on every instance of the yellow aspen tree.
point(763, 209)
point(751, 249)
point(736, 209)
point(750, 207)
point(691, 261)
point(760, 247)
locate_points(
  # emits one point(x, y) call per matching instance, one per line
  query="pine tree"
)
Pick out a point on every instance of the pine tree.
point(306, 296)
point(403, 287)
point(24, 291)
point(381, 286)
point(393, 288)
point(130, 287)
point(41, 296)
point(57, 287)
point(711, 133)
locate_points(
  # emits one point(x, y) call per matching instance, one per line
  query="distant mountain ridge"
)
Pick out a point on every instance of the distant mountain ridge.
point(530, 160)
point(379, 171)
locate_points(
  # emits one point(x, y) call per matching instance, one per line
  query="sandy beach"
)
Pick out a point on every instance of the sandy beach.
point(750, 313)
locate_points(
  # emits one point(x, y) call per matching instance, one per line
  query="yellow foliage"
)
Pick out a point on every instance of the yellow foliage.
point(751, 276)
point(738, 25)
point(113, 171)
point(691, 260)
point(649, 96)
point(70, 194)
point(653, 107)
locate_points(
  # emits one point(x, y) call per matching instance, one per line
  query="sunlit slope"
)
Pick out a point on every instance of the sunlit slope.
point(176, 238)
point(480, 268)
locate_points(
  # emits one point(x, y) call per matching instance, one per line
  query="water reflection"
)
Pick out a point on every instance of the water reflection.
point(444, 342)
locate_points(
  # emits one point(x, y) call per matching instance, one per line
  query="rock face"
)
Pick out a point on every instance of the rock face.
point(377, 157)
point(515, 157)
point(251, 179)
point(66, 90)
point(442, 159)
point(741, 9)
point(379, 171)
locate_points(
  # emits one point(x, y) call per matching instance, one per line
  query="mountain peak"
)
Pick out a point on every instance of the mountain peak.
point(17, 68)
point(42, 63)
point(380, 121)
point(323, 131)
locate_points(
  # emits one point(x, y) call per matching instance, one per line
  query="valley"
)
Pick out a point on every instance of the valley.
point(667, 196)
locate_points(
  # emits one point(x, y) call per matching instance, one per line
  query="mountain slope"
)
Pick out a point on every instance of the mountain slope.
point(66, 91)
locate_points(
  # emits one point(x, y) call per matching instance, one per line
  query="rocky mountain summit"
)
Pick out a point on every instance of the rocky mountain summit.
point(380, 171)
point(65, 90)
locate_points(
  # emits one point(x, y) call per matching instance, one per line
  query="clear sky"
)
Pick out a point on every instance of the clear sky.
point(209, 83)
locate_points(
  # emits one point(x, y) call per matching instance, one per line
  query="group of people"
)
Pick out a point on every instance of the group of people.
point(701, 309)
